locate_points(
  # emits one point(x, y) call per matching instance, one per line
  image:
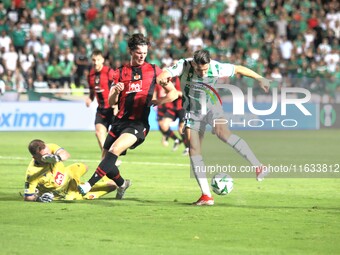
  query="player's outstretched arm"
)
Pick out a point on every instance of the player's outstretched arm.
point(44, 198)
point(63, 154)
point(60, 155)
point(171, 94)
point(89, 99)
point(163, 78)
point(264, 83)
point(31, 198)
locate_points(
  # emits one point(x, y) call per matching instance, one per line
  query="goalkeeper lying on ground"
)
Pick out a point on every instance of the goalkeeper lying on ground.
point(48, 179)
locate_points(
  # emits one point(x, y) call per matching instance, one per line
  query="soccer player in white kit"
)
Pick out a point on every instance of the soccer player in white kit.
point(199, 78)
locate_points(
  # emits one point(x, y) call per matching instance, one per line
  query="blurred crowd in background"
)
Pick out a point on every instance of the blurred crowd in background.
point(48, 43)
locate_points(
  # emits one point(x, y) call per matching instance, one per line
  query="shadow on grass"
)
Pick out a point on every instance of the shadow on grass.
point(111, 201)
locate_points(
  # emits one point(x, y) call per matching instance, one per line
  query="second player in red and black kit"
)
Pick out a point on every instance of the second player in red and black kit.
point(100, 80)
point(172, 109)
point(133, 90)
point(169, 112)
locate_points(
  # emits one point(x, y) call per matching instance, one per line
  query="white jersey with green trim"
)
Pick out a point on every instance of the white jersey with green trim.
point(200, 93)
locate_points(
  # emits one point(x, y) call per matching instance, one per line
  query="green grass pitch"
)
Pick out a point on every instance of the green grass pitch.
point(276, 216)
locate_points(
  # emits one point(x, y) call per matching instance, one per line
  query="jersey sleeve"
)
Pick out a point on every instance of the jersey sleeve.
point(91, 87)
point(226, 70)
point(116, 75)
point(111, 76)
point(89, 80)
point(177, 69)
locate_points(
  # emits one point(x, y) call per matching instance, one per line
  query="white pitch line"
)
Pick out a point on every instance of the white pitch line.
point(94, 161)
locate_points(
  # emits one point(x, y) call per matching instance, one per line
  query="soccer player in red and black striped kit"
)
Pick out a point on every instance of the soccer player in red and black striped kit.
point(100, 79)
point(133, 90)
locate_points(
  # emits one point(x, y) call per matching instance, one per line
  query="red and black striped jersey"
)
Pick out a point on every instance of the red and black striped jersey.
point(139, 85)
point(175, 105)
point(100, 84)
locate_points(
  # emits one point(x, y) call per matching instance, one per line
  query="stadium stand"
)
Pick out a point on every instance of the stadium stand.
point(295, 43)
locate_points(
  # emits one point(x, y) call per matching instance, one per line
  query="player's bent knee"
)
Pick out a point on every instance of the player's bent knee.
point(164, 126)
point(117, 150)
point(222, 132)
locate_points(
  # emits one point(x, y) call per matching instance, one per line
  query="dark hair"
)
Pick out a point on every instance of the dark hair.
point(35, 146)
point(202, 57)
point(97, 52)
point(136, 40)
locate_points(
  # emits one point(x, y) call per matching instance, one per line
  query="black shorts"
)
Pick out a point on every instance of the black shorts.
point(137, 128)
point(170, 113)
point(104, 117)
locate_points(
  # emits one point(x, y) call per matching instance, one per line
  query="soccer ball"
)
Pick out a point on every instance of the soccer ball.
point(222, 184)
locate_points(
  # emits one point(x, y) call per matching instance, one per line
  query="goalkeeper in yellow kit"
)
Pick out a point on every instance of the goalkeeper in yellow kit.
point(48, 179)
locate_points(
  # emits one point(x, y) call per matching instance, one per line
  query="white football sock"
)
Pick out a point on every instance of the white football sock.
point(86, 187)
point(243, 149)
point(198, 169)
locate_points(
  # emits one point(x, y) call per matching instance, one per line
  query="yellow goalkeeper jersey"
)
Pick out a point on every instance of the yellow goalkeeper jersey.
point(53, 178)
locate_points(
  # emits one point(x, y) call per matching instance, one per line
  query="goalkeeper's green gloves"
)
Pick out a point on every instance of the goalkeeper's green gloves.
point(45, 198)
point(51, 158)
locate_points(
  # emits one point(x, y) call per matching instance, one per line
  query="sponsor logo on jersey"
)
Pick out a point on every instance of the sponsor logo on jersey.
point(59, 178)
point(134, 87)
